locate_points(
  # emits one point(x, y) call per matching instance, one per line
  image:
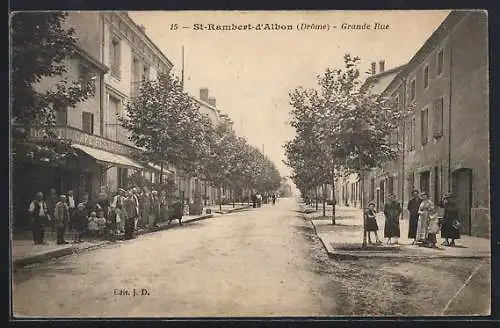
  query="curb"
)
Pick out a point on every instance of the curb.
point(346, 255)
point(237, 209)
point(22, 262)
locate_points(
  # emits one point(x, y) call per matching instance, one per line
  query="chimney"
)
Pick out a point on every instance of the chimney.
point(381, 65)
point(374, 68)
point(204, 94)
point(211, 102)
point(143, 29)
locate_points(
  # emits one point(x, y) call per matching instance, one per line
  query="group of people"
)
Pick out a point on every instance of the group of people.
point(257, 199)
point(424, 222)
point(124, 212)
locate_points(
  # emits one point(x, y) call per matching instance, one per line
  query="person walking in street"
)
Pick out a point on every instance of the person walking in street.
point(427, 217)
point(61, 219)
point(254, 200)
point(79, 222)
point(274, 199)
point(413, 206)
point(450, 225)
point(39, 216)
point(371, 223)
point(392, 211)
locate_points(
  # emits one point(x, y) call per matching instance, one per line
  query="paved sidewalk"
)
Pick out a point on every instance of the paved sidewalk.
point(344, 240)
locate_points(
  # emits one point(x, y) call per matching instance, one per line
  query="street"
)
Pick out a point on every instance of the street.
point(258, 262)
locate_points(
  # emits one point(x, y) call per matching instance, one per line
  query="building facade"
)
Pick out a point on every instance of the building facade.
point(443, 139)
point(115, 55)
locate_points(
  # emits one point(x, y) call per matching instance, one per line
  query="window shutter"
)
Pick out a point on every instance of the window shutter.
point(438, 118)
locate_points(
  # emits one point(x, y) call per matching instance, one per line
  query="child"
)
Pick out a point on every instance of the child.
point(371, 223)
point(101, 223)
point(93, 225)
point(79, 222)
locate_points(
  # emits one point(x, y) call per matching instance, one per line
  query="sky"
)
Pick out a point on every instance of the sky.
point(251, 72)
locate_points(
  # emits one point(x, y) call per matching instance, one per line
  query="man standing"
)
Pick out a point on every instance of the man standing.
point(413, 206)
point(135, 201)
point(130, 211)
point(61, 216)
point(51, 204)
point(39, 215)
point(71, 202)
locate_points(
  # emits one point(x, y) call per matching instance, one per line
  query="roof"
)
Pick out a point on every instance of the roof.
point(379, 82)
point(139, 30)
point(107, 157)
point(443, 30)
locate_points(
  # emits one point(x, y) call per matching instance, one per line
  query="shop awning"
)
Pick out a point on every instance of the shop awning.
point(108, 158)
point(158, 168)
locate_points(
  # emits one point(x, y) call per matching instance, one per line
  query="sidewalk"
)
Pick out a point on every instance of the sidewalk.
point(24, 252)
point(344, 240)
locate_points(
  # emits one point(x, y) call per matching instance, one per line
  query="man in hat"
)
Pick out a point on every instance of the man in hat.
point(39, 215)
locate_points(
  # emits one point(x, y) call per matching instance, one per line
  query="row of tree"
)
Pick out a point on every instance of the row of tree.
point(164, 121)
point(342, 128)
point(168, 125)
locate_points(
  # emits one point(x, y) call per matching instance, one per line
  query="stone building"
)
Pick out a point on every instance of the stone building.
point(115, 54)
point(444, 138)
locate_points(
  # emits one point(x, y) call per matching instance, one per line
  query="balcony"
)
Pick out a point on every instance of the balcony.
point(78, 136)
point(117, 133)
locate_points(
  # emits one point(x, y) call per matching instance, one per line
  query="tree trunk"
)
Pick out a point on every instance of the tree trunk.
point(334, 200)
point(362, 200)
point(316, 196)
point(220, 199)
point(324, 200)
point(161, 173)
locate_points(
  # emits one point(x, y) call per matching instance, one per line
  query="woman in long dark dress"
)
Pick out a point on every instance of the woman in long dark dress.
point(371, 223)
point(413, 206)
point(450, 227)
point(392, 211)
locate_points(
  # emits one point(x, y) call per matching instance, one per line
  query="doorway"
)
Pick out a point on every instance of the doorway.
point(425, 182)
point(462, 190)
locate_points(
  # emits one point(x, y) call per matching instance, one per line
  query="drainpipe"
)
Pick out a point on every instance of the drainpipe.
point(403, 179)
point(449, 114)
point(102, 88)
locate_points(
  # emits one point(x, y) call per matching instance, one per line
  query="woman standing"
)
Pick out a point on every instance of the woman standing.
point(392, 211)
point(413, 206)
point(450, 228)
point(371, 223)
point(426, 221)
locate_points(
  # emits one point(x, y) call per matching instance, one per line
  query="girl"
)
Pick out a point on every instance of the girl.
point(371, 223)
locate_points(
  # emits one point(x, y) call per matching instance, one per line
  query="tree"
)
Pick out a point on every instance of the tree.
point(41, 48)
point(344, 120)
point(165, 122)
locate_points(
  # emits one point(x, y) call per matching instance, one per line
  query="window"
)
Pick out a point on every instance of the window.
point(88, 122)
point(145, 72)
point(438, 118)
point(440, 62)
point(424, 182)
point(86, 78)
point(115, 57)
point(426, 77)
point(424, 120)
point(413, 90)
point(411, 134)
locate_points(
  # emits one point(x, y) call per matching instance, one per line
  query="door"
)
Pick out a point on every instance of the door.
point(425, 182)
point(462, 190)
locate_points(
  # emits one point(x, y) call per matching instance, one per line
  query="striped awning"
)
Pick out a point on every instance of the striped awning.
point(108, 158)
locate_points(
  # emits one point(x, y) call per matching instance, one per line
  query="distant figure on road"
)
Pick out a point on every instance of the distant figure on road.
point(371, 223)
point(392, 211)
point(254, 200)
point(259, 199)
point(274, 198)
point(413, 206)
point(39, 216)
